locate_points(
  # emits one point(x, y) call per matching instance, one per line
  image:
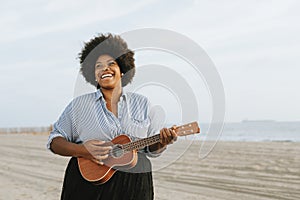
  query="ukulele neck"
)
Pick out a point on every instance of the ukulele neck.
point(187, 129)
point(139, 144)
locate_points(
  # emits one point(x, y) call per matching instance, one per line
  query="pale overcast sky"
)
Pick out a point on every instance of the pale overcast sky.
point(255, 46)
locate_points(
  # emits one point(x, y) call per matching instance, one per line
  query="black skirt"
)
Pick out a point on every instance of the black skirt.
point(122, 185)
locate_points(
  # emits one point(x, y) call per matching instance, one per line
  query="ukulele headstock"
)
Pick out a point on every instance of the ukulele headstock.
point(188, 129)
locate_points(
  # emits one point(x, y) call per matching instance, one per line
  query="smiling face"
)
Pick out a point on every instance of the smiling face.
point(107, 72)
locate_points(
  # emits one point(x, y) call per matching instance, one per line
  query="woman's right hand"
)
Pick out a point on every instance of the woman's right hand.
point(97, 150)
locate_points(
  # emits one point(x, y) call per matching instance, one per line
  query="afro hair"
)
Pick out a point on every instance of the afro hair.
point(112, 45)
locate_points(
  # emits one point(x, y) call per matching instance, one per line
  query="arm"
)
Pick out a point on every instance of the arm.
point(61, 146)
point(167, 136)
point(92, 149)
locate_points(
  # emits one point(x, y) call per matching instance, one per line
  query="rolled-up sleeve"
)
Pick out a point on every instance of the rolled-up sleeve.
point(157, 120)
point(63, 127)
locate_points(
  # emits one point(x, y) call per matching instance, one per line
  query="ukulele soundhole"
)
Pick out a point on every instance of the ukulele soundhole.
point(117, 151)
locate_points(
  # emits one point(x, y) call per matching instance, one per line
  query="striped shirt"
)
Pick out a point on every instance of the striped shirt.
point(86, 117)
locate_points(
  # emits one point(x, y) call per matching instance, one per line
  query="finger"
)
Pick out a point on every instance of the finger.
point(103, 148)
point(101, 157)
point(174, 135)
point(107, 144)
point(161, 136)
point(98, 162)
point(98, 142)
point(101, 153)
point(174, 127)
point(92, 144)
point(106, 152)
point(170, 135)
point(169, 132)
point(165, 136)
point(100, 150)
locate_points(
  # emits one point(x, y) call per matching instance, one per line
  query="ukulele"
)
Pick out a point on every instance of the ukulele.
point(123, 154)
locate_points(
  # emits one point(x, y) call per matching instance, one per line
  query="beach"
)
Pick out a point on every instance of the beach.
point(233, 170)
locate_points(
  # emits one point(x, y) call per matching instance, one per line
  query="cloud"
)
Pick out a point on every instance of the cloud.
point(241, 30)
point(255, 46)
point(33, 19)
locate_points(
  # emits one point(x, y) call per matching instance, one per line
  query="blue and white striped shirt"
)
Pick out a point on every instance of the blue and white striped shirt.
point(87, 117)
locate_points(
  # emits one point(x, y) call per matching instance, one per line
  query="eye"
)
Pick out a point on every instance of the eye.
point(112, 63)
point(99, 66)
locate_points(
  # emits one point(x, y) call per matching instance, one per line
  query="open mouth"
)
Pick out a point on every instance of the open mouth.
point(107, 76)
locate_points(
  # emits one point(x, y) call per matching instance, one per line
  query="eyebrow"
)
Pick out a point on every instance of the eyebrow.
point(106, 61)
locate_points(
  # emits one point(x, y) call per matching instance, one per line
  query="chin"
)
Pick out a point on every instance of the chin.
point(108, 87)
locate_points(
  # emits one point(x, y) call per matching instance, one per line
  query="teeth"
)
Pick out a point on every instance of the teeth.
point(106, 75)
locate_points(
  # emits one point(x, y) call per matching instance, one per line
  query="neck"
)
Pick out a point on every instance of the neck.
point(112, 95)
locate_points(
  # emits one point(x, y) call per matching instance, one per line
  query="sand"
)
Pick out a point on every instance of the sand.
point(233, 170)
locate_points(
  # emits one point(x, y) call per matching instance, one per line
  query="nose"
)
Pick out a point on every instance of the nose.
point(106, 68)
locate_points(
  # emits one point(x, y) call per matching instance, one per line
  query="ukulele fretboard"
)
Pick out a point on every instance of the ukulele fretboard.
point(139, 144)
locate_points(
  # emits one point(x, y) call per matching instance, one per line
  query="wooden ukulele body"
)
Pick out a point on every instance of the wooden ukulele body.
point(100, 174)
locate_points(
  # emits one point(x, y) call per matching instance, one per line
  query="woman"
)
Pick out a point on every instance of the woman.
point(93, 119)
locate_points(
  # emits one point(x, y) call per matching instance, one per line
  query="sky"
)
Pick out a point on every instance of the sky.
point(253, 44)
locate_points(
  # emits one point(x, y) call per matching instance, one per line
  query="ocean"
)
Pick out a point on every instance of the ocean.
point(255, 131)
point(238, 131)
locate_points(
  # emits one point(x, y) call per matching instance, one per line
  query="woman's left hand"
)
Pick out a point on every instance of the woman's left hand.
point(168, 136)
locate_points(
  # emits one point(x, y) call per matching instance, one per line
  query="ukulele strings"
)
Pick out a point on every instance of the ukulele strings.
point(127, 147)
point(133, 145)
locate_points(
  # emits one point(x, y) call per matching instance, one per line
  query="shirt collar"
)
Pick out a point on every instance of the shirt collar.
point(99, 95)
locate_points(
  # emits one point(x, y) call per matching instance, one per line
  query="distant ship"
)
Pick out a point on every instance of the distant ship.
point(258, 121)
